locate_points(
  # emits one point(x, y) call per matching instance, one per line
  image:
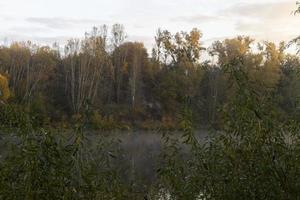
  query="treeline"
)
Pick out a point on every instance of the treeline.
point(118, 85)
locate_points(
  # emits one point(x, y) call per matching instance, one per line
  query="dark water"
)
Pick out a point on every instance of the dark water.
point(139, 151)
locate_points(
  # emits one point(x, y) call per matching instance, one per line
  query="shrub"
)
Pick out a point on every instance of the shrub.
point(44, 166)
point(14, 116)
point(99, 122)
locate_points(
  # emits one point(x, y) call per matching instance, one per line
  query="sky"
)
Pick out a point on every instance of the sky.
point(48, 21)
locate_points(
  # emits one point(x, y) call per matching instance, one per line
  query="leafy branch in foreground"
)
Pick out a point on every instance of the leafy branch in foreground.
point(256, 155)
point(43, 165)
point(296, 40)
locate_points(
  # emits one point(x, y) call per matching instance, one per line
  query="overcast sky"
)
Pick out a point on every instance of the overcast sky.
point(47, 21)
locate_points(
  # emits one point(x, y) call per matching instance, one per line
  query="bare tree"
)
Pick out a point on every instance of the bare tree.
point(118, 58)
point(83, 66)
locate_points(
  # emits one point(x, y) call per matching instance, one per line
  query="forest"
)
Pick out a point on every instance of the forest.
point(122, 87)
point(103, 119)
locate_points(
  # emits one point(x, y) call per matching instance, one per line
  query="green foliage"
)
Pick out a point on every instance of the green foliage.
point(256, 156)
point(43, 165)
point(39, 112)
point(258, 149)
point(108, 123)
point(14, 116)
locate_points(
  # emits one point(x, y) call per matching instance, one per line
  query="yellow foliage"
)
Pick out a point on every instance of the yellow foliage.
point(4, 89)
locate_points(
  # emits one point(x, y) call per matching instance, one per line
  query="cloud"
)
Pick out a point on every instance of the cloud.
point(260, 19)
point(265, 21)
point(147, 40)
point(28, 29)
point(10, 38)
point(138, 26)
point(62, 40)
point(62, 23)
point(197, 19)
point(2, 6)
point(271, 10)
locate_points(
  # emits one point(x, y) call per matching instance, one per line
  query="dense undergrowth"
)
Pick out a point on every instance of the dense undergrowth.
point(256, 155)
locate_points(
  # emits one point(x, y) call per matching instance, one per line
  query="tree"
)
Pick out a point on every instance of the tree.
point(135, 61)
point(262, 65)
point(297, 39)
point(27, 65)
point(118, 35)
point(118, 60)
point(181, 47)
point(269, 74)
point(83, 66)
point(15, 60)
point(42, 65)
point(219, 88)
point(4, 89)
point(230, 49)
point(289, 85)
point(179, 58)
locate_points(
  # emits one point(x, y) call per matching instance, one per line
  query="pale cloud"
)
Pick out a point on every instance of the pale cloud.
point(147, 40)
point(10, 38)
point(271, 10)
point(62, 23)
point(197, 19)
point(266, 21)
point(52, 20)
point(27, 30)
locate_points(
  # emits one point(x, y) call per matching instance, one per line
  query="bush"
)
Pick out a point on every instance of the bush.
point(44, 166)
point(14, 116)
point(106, 123)
point(38, 112)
